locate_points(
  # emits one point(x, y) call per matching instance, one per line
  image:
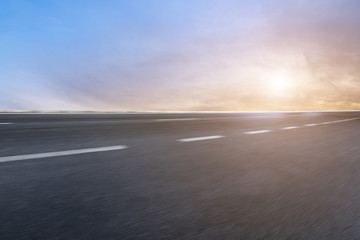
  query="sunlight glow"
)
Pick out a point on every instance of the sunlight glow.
point(279, 83)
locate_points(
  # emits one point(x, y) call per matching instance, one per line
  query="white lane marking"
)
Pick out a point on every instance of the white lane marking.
point(175, 119)
point(324, 123)
point(257, 132)
point(288, 128)
point(60, 153)
point(345, 120)
point(311, 125)
point(5, 123)
point(199, 138)
point(338, 121)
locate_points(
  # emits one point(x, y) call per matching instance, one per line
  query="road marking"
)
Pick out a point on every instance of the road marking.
point(175, 119)
point(200, 138)
point(345, 120)
point(288, 128)
point(324, 123)
point(60, 153)
point(5, 123)
point(257, 132)
point(338, 121)
point(311, 125)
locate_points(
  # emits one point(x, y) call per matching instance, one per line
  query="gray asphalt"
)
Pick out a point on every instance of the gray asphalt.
point(301, 183)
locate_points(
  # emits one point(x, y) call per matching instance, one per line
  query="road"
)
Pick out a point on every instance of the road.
point(180, 176)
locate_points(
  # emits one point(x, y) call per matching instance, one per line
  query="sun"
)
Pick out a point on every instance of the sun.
point(279, 84)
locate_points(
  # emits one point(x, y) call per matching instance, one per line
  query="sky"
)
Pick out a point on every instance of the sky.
point(180, 55)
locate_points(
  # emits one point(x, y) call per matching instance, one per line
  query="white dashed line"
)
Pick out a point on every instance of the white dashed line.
point(330, 122)
point(175, 119)
point(288, 128)
point(311, 125)
point(5, 123)
point(339, 121)
point(345, 120)
point(60, 153)
point(257, 132)
point(200, 138)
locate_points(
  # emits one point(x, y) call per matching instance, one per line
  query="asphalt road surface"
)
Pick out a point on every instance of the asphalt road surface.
point(180, 176)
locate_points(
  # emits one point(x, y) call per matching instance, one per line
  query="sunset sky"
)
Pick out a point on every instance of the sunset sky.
point(180, 55)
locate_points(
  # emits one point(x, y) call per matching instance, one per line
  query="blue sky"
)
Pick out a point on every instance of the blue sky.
point(179, 55)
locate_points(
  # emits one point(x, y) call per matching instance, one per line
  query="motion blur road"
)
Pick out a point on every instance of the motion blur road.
point(180, 176)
